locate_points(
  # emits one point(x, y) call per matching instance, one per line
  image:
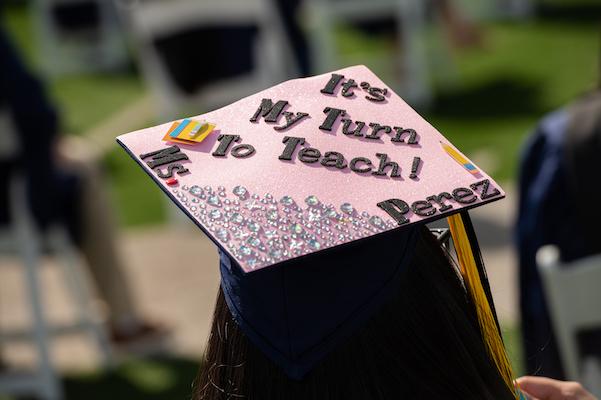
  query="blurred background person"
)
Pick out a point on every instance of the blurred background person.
point(65, 188)
point(558, 188)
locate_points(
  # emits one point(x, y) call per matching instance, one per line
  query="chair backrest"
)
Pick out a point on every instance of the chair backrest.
point(79, 36)
point(408, 73)
point(152, 23)
point(574, 298)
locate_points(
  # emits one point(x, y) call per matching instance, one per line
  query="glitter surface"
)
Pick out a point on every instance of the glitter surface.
point(264, 196)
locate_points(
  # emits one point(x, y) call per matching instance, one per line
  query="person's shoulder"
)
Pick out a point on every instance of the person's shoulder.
point(587, 102)
point(584, 115)
point(553, 125)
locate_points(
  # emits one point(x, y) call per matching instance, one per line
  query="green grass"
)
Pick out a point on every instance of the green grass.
point(511, 337)
point(18, 22)
point(84, 100)
point(499, 91)
point(523, 71)
point(139, 201)
point(503, 138)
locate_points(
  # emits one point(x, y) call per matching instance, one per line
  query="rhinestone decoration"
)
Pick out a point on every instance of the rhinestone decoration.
point(241, 192)
point(276, 254)
point(214, 201)
point(215, 214)
point(312, 201)
point(237, 218)
point(260, 230)
point(272, 215)
point(195, 190)
point(331, 213)
point(222, 234)
point(253, 226)
point(377, 222)
point(347, 208)
point(271, 234)
point(254, 241)
point(245, 250)
point(287, 201)
point(253, 205)
point(314, 244)
point(297, 229)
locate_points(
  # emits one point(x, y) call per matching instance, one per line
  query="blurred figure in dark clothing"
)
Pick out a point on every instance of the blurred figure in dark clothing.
point(63, 190)
point(558, 186)
point(233, 46)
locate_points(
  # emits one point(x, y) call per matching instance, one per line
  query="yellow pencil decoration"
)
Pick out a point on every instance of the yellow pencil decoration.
point(467, 164)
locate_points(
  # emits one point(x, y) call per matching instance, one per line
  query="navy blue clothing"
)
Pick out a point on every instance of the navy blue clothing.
point(542, 189)
point(52, 192)
point(548, 214)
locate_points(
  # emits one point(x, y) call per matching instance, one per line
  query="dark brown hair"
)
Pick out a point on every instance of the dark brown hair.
point(423, 344)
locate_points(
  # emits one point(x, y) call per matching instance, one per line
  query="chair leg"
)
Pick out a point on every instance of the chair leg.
point(80, 292)
point(415, 82)
point(49, 387)
point(322, 42)
point(46, 382)
point(591, 375)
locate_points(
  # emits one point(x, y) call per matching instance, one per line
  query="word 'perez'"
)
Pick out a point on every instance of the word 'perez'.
point(398, 209)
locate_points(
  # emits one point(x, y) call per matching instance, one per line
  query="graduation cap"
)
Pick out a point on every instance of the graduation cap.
point(312, 190)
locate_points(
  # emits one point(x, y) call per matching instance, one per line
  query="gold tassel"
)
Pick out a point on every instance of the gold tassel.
point(486, 321)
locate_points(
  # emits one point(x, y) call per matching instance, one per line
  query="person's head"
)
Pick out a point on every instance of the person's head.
point(422, 342)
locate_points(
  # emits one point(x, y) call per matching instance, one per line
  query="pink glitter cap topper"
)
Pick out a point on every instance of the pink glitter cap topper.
point(308, 165)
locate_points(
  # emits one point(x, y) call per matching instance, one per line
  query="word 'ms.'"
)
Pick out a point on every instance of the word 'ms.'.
point(165, 162)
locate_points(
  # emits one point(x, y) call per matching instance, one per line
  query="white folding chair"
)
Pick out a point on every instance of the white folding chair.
point(413, 81)
point(44, 382)
point(146, 21)
point(21, 238)
point(149, 20)
point(74, 45)
point(574, 298)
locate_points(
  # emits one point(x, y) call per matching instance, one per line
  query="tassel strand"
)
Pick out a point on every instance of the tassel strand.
point(486, 319)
